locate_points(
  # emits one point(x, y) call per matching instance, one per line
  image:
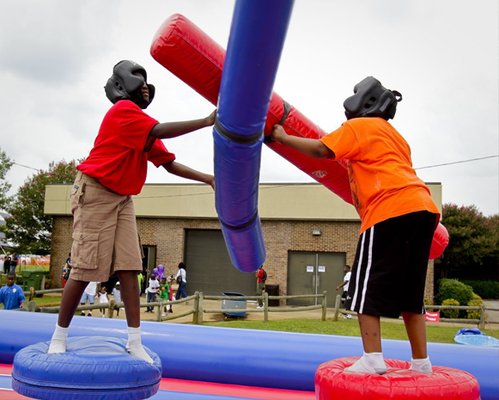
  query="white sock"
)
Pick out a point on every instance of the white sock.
point(134, 345)
point(421, 365)
point(58, 341)
point(369, 363)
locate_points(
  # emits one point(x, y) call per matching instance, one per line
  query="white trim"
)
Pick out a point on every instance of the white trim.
point(361, 256)
point(368, 270)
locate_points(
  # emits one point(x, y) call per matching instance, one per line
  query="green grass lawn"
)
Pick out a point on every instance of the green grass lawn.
point(389, 330)
point(46, 300)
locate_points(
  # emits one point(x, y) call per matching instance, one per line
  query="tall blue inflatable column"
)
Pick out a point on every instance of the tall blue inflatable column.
point(253, 52)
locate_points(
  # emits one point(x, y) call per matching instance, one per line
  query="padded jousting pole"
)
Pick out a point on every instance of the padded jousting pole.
point(255, 44)
point(191, 55)
point(196, 59)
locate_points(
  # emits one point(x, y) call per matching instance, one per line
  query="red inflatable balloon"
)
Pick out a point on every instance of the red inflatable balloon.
point(440, 241)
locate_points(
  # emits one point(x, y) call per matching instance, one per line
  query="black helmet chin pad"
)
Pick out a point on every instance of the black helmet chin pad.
point(126, 82)
point(371, 99)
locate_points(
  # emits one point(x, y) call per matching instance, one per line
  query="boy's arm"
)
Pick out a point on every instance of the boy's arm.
point(188, 173)
point(311, 147)
point(168, 130)
point(22, 299)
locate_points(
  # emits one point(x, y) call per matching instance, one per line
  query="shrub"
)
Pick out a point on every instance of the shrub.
point(486, 289)
point(475, 301)
point(454, 289)
point(450, 313)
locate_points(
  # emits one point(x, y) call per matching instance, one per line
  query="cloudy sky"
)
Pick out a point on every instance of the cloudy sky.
point(56, 56)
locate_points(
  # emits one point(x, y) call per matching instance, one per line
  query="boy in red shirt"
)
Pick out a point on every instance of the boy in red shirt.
point(261, 277)
point(398, 218)
point(105, 238)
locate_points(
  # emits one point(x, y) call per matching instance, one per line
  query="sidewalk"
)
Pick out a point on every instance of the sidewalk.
point(492, 317)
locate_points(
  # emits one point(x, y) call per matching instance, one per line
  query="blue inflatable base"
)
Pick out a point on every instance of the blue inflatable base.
point(92, 368)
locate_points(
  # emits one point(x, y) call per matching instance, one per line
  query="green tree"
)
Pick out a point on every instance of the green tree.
point(28, 227)
point(472, 250)
point(491, 258)
point(5, 165)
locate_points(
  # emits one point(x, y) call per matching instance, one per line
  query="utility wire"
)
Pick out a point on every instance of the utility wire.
point(426, 166)
point(458, 162)
point(26, 166)
point(281, 185)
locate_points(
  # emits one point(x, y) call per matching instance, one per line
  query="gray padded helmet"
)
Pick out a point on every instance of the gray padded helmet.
point(124, 84)
point(371, 99)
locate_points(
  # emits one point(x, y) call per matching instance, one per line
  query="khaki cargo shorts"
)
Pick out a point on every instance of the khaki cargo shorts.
point(105, 235)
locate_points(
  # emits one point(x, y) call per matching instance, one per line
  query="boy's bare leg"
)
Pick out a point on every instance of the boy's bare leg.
point(372, 361)
point(415, 326)
point(130, 295)
point(70, 299)
point(370, 332)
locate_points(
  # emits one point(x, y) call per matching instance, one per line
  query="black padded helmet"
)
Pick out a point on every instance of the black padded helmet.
point(125, 84)
point(371, 99)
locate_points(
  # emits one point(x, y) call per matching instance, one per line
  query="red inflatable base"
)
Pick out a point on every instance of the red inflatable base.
point(333, 382)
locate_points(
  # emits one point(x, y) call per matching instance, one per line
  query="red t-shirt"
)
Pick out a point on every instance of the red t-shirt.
point(382, 180)
point(118, 160)
point(260, 275)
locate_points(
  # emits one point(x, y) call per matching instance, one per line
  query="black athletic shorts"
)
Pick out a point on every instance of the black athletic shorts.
point(389, 272)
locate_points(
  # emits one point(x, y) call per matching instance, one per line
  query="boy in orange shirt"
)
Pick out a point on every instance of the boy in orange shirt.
point(398, 218)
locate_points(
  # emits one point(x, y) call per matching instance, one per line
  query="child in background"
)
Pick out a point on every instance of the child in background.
point(152, 291)
point(89, 294)
point(117, 297)
point(171, 278)
point(164, 294)
point(103, 299)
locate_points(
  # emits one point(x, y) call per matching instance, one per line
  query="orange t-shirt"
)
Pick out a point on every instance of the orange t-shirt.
point(382, 180)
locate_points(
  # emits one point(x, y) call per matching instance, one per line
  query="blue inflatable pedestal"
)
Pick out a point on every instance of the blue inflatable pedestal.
point(92, 368)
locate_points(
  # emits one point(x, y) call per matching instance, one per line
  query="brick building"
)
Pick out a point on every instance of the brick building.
point(309, 233)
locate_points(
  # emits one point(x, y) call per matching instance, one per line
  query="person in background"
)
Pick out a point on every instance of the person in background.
point(66, 270)
point(89, 295)
point(102, 203)
point(11, 295)
point(344, 285)
point(13, 263)
point(164, 294)
point(261, 278)
point(398, 220)
point(117, 297)
point(171, 282)
point(140, 282)
point(151, 291)
point(103, 299)
point(181, 279)
point(346, 281)
point(6, 265)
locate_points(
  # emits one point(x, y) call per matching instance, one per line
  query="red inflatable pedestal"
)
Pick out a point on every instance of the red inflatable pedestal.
point(333, 382)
